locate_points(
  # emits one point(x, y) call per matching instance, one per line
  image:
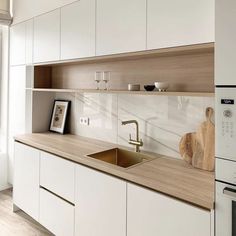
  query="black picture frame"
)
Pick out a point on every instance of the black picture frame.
point(59, 116)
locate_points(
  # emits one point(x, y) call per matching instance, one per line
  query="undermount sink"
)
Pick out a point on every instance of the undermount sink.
point(121, 157)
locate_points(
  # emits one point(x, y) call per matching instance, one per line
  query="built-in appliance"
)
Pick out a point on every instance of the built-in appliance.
point(225, 207)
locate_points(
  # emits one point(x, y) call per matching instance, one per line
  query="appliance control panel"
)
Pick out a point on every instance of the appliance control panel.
point(226, 123)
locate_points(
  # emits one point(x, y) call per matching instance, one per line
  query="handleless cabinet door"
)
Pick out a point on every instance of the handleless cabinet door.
point(17, 44)
point(120, 26)
point(56, 214)
point(78, 30)
point(225, 50)
point(100, 207)
point(58, 176)
point(150, 213)
point(29, 31)
point(47, 37)
point(17, 110)
point(176, 23)
point(26, 179)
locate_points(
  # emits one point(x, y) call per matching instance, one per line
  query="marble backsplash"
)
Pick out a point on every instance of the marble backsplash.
point(163, 120)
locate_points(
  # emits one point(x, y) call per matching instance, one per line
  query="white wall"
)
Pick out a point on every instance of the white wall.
point(26, 9)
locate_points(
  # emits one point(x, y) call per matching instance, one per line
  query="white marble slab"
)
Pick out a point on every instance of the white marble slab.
point(163, 120)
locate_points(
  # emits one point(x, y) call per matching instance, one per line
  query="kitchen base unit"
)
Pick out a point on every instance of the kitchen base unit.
point(100, 204)
point(151, 213)
point(72, 199)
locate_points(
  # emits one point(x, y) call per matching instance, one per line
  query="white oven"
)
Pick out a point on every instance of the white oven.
point(225, 197)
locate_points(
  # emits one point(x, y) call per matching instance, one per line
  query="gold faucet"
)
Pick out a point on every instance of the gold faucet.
point(138, 143)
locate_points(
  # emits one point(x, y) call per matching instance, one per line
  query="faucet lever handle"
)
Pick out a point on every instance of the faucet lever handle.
point(130, 137)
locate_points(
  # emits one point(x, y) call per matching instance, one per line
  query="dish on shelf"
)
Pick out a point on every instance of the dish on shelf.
point(161, 86)
point(134, 87)
point(149, 87)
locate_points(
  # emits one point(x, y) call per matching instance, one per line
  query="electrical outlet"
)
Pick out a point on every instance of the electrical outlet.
point(84, 120)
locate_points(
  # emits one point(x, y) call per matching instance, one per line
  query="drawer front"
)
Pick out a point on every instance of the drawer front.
point(58, 176)
point(56, 214)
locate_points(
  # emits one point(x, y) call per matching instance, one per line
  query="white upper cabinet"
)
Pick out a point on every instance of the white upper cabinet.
point(26, 9)
point(21, 43)
point(176, 23)
point(100, 204)
point(120, 26)
point(78, 30)
point(225, 50)
point(150, 213)
point(17, 44)
point(47, 37)
point(29, 32)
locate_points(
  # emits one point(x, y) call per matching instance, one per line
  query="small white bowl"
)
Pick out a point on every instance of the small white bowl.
point(162, 86)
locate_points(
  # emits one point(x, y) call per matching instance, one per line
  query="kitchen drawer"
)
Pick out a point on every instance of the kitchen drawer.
point(58, 176)
point(56, 214)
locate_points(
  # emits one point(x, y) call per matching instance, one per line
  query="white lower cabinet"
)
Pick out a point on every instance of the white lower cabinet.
point(150, 214)
point(100, 204)
point(58, 176)
point(26, 179)
point(56, 214)
point(100, 208)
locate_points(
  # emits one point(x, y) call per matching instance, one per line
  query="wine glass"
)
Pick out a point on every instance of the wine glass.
point(106, 78)
point(98, 78)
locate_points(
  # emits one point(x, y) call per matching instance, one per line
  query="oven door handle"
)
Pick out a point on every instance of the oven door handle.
point(230, 192)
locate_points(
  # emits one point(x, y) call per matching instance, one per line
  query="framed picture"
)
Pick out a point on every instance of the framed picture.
point(59, 116)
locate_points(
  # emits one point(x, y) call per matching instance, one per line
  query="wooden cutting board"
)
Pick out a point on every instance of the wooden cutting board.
point(204, 155)
point(198, 148)
point(187, 146)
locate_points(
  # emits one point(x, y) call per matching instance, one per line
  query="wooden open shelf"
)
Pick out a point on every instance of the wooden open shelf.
point(155, 93)
point(189, 70)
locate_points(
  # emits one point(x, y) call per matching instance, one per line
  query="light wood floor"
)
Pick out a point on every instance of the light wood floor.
point(17, 224)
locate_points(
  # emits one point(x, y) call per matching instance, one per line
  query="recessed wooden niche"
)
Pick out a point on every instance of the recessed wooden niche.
point(186, 70)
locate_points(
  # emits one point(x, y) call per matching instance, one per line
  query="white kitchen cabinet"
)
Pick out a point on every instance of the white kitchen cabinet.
point(58, 176)
point(26, 179)
point(78, 30)
point(120, 26)
point(26, 9)
point(225, 50)
point(100, 204)
point(47, 37)
point(29, 32)
point(18, 44)
point(56, 214)
point(21, 43)
point(150, 213)
point(176, 23)
point(17, 110)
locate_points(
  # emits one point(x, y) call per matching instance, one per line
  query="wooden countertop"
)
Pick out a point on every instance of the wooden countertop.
point(166, 175)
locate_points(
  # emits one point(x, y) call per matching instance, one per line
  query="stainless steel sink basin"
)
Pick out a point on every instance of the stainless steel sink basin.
point(121, 157)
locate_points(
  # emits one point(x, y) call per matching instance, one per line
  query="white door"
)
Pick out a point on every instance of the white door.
point(47, 37)
point(56, 214)
point(29, 32)
point(225, 50)
point(17, 44)
point(17, 104)
point(100, 208)
point(78, 30)
point(120, 26)
point(225, 209)
point(26, 179)
point(150, 213)
point(176, 23)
